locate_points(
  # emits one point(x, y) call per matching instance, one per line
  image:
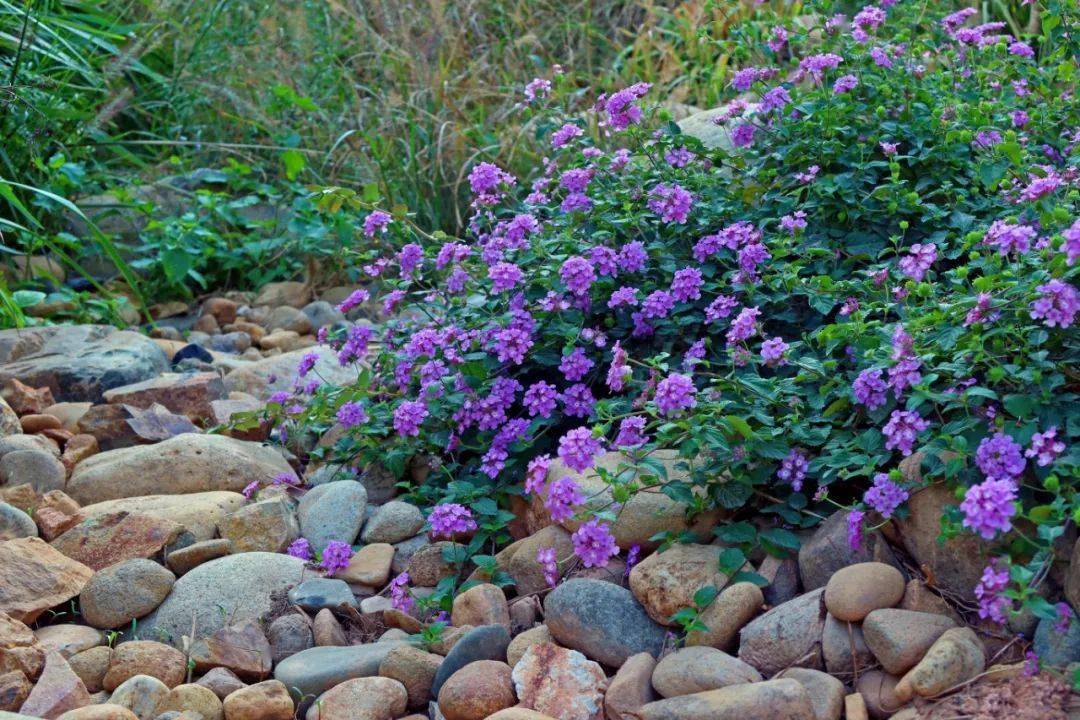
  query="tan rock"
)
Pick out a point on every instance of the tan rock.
point(631, 688)
point(665, 582)
point(222, 682)
point(57, 690)
point(68, 638)
point(477, 690)
point(193, 463)
point(241, 648)
point(733, 608)
point(182, 560)
point(37, 577)
point(559, 682)
point(222, 309)
point(523, 567)
point(264, 526)
point(397, 619)
point(514, 713)
point(855, 591)
point(78, 447)
point(22, 496)
point(19, 648)
point(107, 711)
point(140, 694)
point(268, 700)
point(105, 540)
point(920, 598)
point(69, 413)
point(91, 666)
point(291, 293)
point(523, 641)
point(367, 698)
point(844, 649)
point(878, 690)
point(899, 638)
point(855, 707)
point(427, 566)
point(370, 565)
point(14, 689)
point(483, 604)
point(782, 699)
point(698, 669)
point(120, 593)
point(826, 693)
point(789, 635)
point(414, 669)
point(145, 657)
point(327, 630)
point(198, 513)
point(36, 423)
point(194, 698)
point(954, 658)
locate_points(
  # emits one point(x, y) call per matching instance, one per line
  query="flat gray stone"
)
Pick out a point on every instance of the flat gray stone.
point(1057, 649)
point(14, 523)
point(316, 670)
point(334, 511)
point(319, 593)
point(393, 522)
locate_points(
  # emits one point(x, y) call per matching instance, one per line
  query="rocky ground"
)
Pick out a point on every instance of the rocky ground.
point(138, 581)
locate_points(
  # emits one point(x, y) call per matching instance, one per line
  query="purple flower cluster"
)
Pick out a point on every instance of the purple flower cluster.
point(743, 326)
point(408, 416)
point(548, 560)
point(577, 274)
point(563, 496)
point(631, 432)
point(999, 457)
point(1045, 447)
point(621, 109)
point(884, 495)
point(1009, 238)
point(671, 202)
point(989, 506)
point(578, 449)
point(450, 519)
point(1057, 304)
point(400, 599)
point(918, 260)
point(993, 605)
point(356, 298)
point(686, 285)
point(376, 221)
point(793, 469)
point(902, 430)
point(772, 351)
point(869, 388)
point(335, 557)
point(300, 548)
point(674, 394)
point(351, 414)
point(594, 544)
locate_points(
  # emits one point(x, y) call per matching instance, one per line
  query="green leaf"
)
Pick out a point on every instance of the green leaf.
point(740, 532)
point(781, 538)
point(740, 426)
point(704, 597)
point(177, 263)
point(294, 162)
point(751, 577)
point(731, 559)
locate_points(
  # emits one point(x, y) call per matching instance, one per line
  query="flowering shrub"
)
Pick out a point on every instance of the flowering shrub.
point(876, 258)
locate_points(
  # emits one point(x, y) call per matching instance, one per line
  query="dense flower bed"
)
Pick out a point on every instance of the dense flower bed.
point(880, 260)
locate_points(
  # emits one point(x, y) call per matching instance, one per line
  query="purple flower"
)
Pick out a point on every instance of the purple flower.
point(855, 529)
point(1071, 243)
point(918, 261)
point(885, 495)
point(575, 365)
point(657, 305)
point(563, 496)
point(1008, 238)
point(408, 416)
point(400, 599)
point(577, 274)
point(1045, 447)
point(1065, 616)
point(845, 83)
point(793, 469)
point(351, 414)
point(904, 374)
point(536, 474)
point(988, 507)
point(720, 308)
point(674, 394)
point(619, 372)
point(356, 297)
point(409, 258)
point(686, 285)
point(772, 351)
point(250, 489)
point(485, 179)
point(307, 363)
point(631, 432)
point(671, 202)
point(1019, 118)
point(743, 326)
point(1021, 49)
point(978, 312)
point(578, 401)
point(504, 276)
point(993, 605)
point(623, 296)
point(335, 557)
point(794, 223)
point(632, 257)
point(902, 430)
point(450, 519)
point(869, 388)
point(300, 548)
point(540, 399)
point(778, 40)
point(743, 135)
point(594, 544)
point(988, 138)
point(889, 148)
point(1057, 305)
point(881, 58)
point(679, 157)
point(549, 563)
point(376, 221)
point(999, 457)
point(620, 107)
point(776, 99)
point(578, 448)
point(565, 134)
point(816, 65)
point(633, 555)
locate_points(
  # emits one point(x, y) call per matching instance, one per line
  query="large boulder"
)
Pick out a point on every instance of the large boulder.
point(665, 582)
point(334, 511)
point(78, 362)
point(189, 394)
point(231, 589)
point(198, 513)
point(648, 511)
point(187, 463)
point(788, 635)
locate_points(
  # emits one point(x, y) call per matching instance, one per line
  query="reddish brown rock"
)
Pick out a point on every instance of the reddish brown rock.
point(182, 560)
point(222, 682)
point(36, 423)
point(24, 399)
point(559, 682)
point(366, 698)
point(477, 690)
point(222, 309)
point(189, 395)
point(413, 668)
point(145, 657)
point(14, 689)
point(327, 630)
point(242, 648)
point(57, 690)
point(58, 435)
point(37, 577)
point(19, 648)
point(78, 448)
point(22, 496)
point(57, 513)
point(108, 539)
point(108, 424)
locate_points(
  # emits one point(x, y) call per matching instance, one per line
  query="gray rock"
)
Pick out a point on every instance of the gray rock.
point(319, 593)
point(404, 551)
point(1054, 648)
point(288, 635)
point(828, 550)
point(262, 378)
point(318, 669)
point(788, 635)
point(78, 362)
point(120, 593)
point(602, 620)
point(380, 483)
point(140, 694)
point(228, 590)
point(321, 314)
point(843, 648)
point(37, 467)
point(288, 318)
point(334, 511)
point(487, 642)
point(231, 342)
point(393, 522)
point(14, 523)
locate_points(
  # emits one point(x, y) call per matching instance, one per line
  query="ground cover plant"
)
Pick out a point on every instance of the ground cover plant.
point(874, 267)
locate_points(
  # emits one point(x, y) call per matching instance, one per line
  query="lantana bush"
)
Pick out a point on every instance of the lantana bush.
point(868, 265)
